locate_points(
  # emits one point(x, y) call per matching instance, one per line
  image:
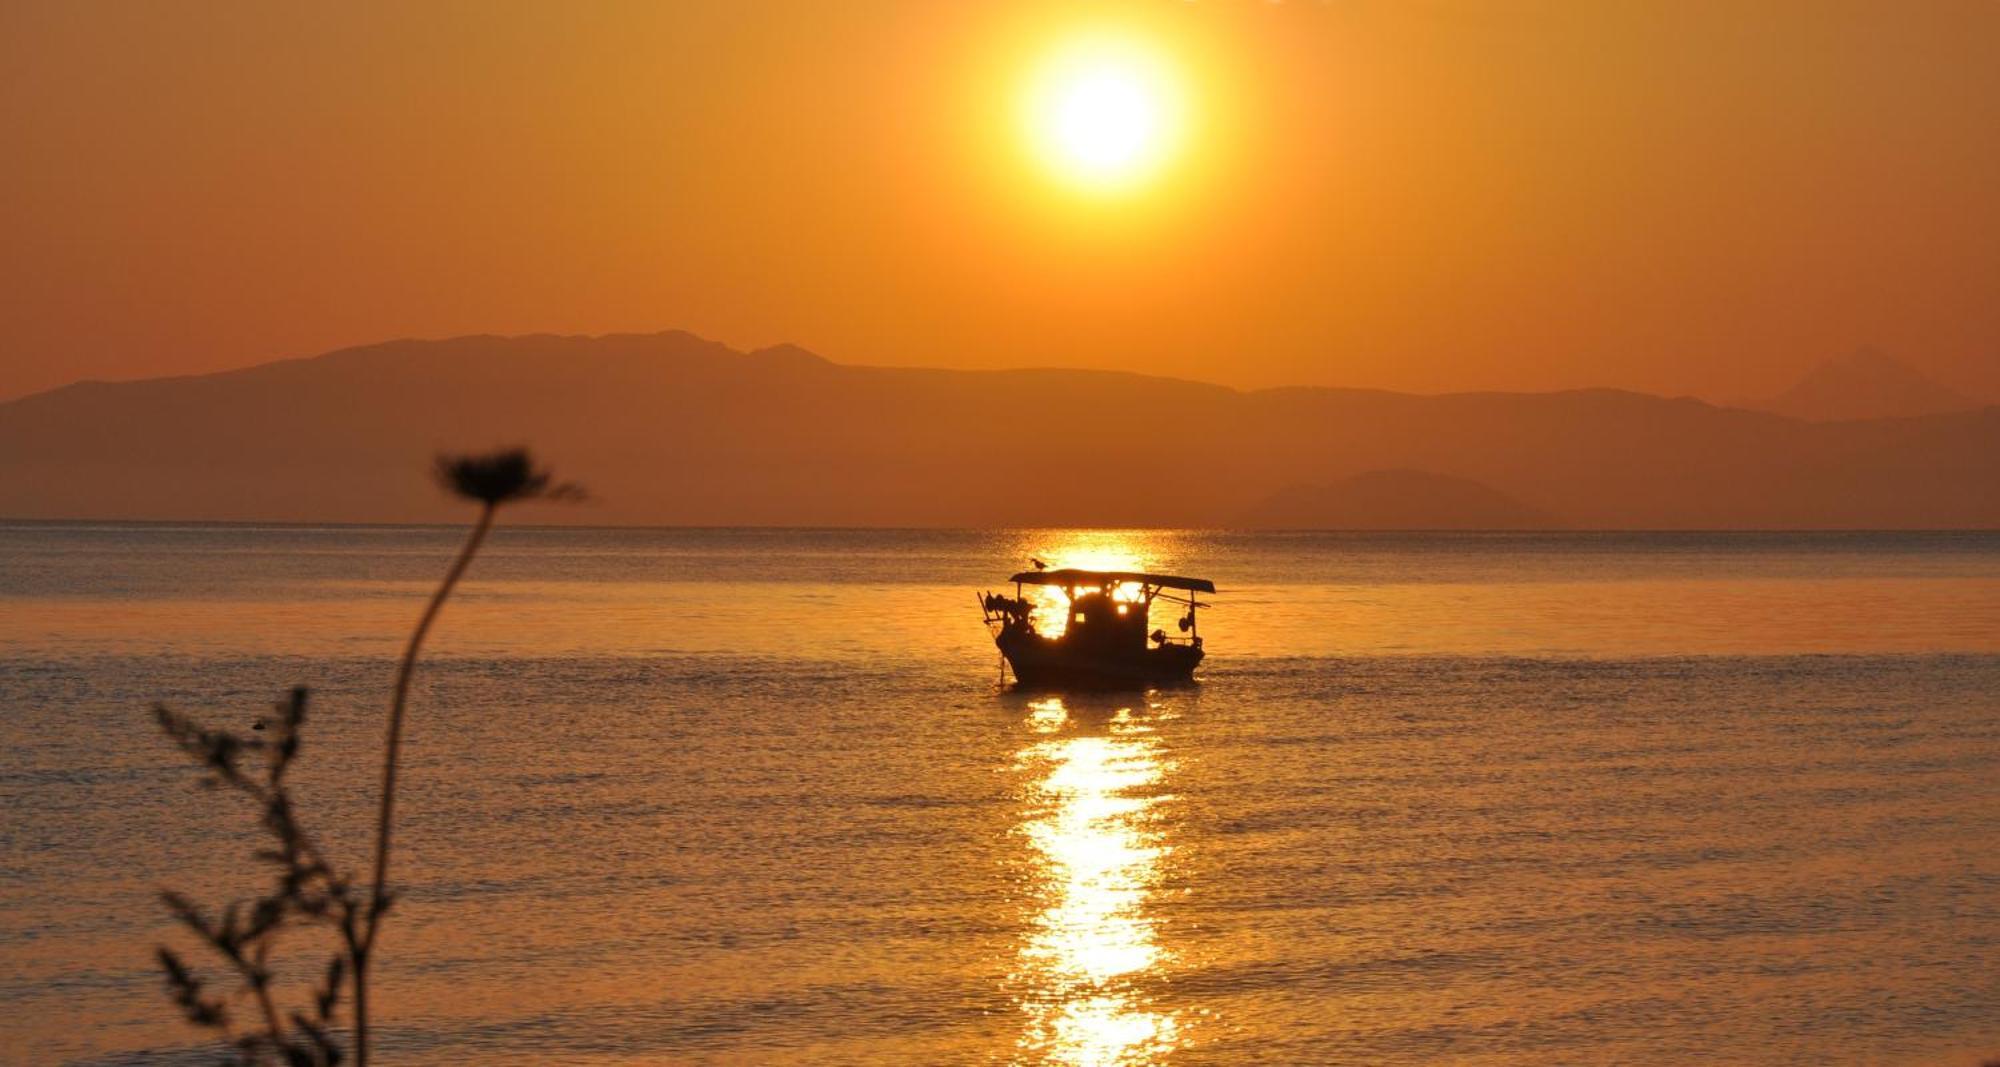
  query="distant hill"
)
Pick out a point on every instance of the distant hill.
point(1395, 500)
point(1866, 384)
point(673, 429)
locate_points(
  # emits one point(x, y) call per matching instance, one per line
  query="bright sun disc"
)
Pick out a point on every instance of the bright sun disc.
point(1103, 113)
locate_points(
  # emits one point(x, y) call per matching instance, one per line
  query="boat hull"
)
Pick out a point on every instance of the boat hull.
point(1039, 662)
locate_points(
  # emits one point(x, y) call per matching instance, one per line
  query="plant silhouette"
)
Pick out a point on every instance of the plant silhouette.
point(308, 890)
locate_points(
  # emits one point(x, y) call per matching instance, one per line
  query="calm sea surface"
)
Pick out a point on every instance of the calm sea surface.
point(755, 796)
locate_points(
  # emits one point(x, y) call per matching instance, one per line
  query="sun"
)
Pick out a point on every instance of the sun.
point(1104, 113)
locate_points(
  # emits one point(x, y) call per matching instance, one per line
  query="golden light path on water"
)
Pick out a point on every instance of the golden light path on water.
point(1099, 858)
point(1098, 848)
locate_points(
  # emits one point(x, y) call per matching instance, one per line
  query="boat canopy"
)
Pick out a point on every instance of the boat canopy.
point(1069, 576)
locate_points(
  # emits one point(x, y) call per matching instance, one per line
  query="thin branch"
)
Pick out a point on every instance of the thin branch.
point(260, 981)
point(378, 895)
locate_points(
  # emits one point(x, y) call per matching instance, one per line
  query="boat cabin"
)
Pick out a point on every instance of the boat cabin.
point(1105, 633)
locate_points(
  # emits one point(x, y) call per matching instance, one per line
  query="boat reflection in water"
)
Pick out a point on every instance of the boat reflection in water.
point(1097, 860)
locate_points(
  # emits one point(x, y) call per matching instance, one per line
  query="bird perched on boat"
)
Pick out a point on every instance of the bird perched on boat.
point(1039, 565)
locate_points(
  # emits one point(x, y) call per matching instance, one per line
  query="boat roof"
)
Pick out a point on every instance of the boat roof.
point(1068, 576)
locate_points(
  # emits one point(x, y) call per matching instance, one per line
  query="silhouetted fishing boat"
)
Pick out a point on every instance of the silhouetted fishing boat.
point(1101, 634)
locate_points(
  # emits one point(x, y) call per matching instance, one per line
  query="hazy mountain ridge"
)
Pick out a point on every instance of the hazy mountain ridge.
point(670, 428)
point(1865, 384)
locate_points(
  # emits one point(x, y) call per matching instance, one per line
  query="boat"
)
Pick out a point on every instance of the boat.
point(1103, 637)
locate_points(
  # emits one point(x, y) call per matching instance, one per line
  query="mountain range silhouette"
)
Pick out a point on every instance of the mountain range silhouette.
point(673, 429)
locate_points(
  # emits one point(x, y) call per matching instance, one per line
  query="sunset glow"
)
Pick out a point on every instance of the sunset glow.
point(1126, 533)
point(1104, 113)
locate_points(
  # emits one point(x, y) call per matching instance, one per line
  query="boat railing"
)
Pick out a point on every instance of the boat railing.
point(998, 609)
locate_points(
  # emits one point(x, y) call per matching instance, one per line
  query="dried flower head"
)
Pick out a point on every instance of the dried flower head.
point(501, 477)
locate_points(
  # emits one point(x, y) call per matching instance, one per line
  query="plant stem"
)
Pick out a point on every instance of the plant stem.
point(377, 897)
point(359, 956)
point(262, 984)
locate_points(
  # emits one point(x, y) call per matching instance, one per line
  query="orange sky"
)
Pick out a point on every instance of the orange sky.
point(1680, 196)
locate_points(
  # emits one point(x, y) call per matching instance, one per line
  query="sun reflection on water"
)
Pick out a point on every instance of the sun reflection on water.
point(1097, 861)
point(1090, 550)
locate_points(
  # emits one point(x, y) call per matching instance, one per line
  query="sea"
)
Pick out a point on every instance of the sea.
point(722, 796)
